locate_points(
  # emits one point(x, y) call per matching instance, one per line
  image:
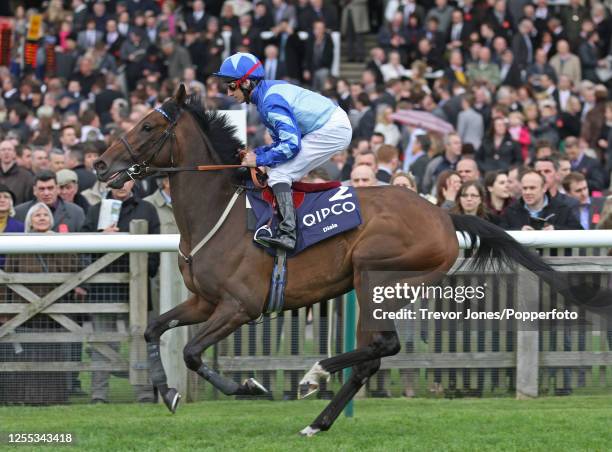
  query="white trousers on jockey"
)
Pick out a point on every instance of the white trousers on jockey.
point(317, 148)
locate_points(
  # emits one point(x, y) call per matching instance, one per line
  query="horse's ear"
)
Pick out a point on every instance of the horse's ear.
point(180, 95)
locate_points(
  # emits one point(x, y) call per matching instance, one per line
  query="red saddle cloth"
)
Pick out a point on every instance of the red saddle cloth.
point(299, 190)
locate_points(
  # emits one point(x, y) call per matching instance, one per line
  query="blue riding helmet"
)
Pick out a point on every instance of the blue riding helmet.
point(241, 66)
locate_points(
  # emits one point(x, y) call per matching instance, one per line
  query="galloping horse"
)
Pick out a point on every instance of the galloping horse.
point(229, 276)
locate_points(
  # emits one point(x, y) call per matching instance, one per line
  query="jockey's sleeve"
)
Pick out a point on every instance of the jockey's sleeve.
point(284, 131)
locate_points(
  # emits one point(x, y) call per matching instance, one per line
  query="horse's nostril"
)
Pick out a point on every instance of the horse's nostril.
point(99, 166)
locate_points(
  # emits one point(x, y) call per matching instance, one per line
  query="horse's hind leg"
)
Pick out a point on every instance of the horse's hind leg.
point(226, 319)
point(193, 310)
point(379, 345)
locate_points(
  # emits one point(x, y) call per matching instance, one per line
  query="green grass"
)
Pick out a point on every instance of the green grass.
point(567, 423)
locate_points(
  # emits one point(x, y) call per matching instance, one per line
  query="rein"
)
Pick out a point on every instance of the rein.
point(141, 169)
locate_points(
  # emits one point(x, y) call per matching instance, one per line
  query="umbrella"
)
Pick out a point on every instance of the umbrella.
point(423, 120)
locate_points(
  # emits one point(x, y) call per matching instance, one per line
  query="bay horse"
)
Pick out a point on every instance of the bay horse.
point(229, 277)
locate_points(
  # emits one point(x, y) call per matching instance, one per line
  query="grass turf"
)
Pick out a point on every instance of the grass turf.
point(567, 423)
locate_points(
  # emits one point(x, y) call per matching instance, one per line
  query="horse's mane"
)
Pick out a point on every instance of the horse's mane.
point(217, 128)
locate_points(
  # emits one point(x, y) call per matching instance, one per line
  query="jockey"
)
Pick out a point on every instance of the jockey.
point(306, 130)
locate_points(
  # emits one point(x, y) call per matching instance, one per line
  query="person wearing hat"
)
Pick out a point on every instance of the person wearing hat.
point(306, 130)
point(68, 182)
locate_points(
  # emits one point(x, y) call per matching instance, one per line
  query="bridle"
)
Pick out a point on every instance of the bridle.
point(141, 169)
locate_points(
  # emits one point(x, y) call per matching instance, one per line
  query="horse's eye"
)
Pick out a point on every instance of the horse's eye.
point(147, 127)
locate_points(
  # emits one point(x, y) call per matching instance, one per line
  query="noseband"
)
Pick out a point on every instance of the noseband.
point(141, 168)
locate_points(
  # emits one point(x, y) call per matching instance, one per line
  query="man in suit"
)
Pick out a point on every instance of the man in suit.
point(367, 118)
point(197, 19)
point(522, 45)
point(388, 161)
point(589, 209)
point(587, 166)
point(509, 72)
point(535, 210)
point(273, 68)
point(283, 12)
point(290, 49)
point(80, 14)
point(88, 38)
point(319, 56)
point(377, 59)
point(459, 32)
point(566, 63)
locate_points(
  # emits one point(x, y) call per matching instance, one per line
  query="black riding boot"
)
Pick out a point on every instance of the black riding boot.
point(286, 234)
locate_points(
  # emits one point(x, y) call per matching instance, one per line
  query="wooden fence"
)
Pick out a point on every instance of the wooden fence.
point(470, 358)
point(135, 308)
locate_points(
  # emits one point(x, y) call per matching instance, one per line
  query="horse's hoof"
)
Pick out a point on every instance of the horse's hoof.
point(255, 387)
point(307, 389)
point(310, 383)
point(172, 399)
point(309, 431)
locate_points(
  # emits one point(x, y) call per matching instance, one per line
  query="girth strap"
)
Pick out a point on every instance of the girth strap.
point(215, 228)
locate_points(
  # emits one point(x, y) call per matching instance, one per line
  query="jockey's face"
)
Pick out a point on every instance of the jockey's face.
point(235, 92)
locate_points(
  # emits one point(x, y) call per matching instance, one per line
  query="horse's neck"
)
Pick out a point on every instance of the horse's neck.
point(198, 198)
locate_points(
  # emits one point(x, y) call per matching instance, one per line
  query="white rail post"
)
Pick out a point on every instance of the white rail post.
point(172, 292)
point(527, 355)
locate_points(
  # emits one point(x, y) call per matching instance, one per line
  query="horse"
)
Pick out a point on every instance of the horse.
point(229, 276)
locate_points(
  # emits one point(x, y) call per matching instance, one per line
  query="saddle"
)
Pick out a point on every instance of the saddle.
point(323, 210)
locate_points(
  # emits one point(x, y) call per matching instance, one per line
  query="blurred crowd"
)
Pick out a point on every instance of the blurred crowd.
point(512, 99)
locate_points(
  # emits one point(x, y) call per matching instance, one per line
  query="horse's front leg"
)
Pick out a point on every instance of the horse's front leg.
point(193, 310)
point(227, 318)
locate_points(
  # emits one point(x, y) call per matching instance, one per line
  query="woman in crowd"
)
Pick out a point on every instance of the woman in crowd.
point(405, 180)
point(447, 187)
point(385, 125)
point(498, 196)
point(470, 200)
point(7, 222)
point(498, 151)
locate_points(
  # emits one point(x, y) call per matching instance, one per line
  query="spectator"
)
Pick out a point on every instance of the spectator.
point(468, 170)
point(16, 178)
point(68, 217)
point(76, 158)
point(68, 183)
point(447, 188)
point(522, 44)
point(566, 63)
point(24, 157)
point(443, 14)
point(132, 208)
point(177, 59)
point(363, 176)
point(417, 157)
point(40, 160)
point(447, 161)
point(535, 210)
point(549, 168)
point(498, 196)
point(388, 161)
point(471, 198)
point(589, 209)
point(483, 70)
point(8, 223)
point(405, 180)
point(595, 119)
point(585, 165)
point(319, 55)
point(470, 123)
point(386, 126)
point(498, 151)
point(366, 117)
point(57, 160)
point(355, 22)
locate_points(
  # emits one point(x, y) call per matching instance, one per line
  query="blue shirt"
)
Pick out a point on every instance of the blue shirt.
point(289, 113)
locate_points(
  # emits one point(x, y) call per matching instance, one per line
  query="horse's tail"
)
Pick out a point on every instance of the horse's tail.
point(491, 245)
